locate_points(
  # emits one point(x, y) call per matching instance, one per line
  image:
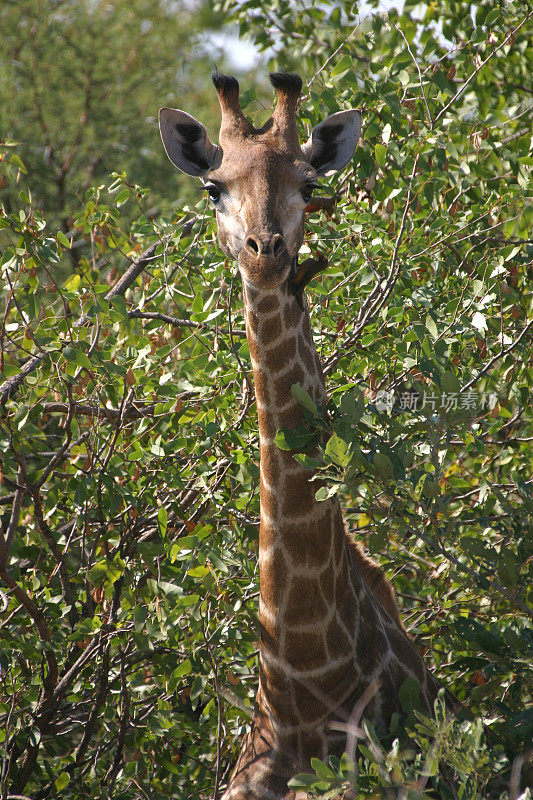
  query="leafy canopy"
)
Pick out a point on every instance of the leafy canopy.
point(128, 493)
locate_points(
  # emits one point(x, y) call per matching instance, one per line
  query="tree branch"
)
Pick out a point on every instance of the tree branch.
point(379, 294)
point(182, 323)
point(473, 75)
point(497, 357)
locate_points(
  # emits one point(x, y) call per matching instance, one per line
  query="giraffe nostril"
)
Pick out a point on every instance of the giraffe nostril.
point(279, 245)
point(265, 246)
point(251, 244)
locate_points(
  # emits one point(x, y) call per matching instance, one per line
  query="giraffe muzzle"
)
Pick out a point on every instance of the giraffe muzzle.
point(264, 246)
point(264, 260)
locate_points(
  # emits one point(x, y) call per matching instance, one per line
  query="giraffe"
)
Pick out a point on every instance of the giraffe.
point(331, 635)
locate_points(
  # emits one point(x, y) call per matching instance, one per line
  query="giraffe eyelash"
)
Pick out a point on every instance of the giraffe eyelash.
point(213, 190)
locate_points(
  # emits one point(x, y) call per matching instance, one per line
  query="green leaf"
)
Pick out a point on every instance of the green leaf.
point(61, 781)
point(514, 251)
point(157, 450)
point(450, 382)
point(198, 572)
point(304, 399)
point(403, 77)
point(118, 304)
point(492, 17)
point(77, 356)
point(122, 196)
point(98, 573)
point(184, 669)
point(308, 462)
point(167, 587)
point(322, 770)
point(325, 492)
point(15, 159)
point(302, 781)
point(344, 64)
point(63, 239)
point(508, 569)
point(216, 561)
point(198, 304)
point(162, 517)
point(293, 438)
point(384, 466)
point(381, 155)
point(73, 283)
point(338, 451)
point(432, 328)
point(409, 694)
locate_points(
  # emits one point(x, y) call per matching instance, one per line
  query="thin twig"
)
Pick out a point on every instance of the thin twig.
point(418, 70)
point(85, 409)
point(180, 322)
point(480, 67)
point(219, 712)
point(494, 584)
point(497, 357)
point(14, 518)
point(379, 294)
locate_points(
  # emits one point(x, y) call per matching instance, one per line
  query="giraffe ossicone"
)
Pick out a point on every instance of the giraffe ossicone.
point(331, 635)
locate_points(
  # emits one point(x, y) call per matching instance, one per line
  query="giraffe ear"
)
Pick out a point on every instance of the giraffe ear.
point(332, 143)
point(186, 142)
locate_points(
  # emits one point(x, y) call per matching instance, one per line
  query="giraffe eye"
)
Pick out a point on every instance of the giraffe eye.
point(213, 191)
point(307, 191)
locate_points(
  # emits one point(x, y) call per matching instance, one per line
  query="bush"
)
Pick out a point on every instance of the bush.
point(129, 496)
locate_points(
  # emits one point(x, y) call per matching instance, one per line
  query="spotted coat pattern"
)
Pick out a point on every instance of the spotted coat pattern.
point(324, 635)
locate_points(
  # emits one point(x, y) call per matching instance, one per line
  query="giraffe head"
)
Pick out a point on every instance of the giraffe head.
point(260, 180)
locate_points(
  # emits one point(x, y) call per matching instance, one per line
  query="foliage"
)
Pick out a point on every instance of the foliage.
point(128, 436)
point(80, 85)
point(441, 744)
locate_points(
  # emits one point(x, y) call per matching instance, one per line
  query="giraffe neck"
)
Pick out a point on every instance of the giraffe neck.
point(309, 594)
point(324, 640)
